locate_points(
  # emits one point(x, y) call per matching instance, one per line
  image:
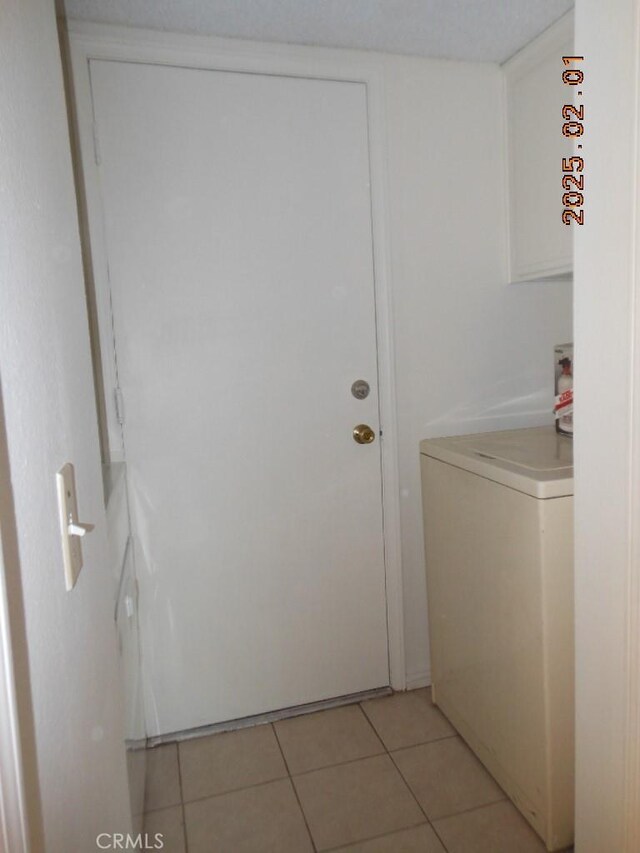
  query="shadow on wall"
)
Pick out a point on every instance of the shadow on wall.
point(504, 412)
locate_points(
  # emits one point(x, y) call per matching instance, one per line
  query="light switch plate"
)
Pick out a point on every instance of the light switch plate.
point(68, 509)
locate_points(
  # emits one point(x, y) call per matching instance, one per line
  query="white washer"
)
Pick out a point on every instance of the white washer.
point(498, 510)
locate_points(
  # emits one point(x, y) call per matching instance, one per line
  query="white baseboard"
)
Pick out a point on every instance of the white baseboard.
point(421, 678)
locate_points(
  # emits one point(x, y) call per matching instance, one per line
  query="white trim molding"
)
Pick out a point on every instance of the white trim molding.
point(632, 777)
point(94, 41)
point(607, 438)
point(418, 679)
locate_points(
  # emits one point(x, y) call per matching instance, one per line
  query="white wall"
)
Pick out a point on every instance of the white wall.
point(472, 353)
point(50, 419)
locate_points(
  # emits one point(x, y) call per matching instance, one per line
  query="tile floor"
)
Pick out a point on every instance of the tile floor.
point(386, 776)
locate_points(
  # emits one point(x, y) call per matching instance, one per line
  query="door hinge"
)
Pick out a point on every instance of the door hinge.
point(119, 405)
point(96, 144)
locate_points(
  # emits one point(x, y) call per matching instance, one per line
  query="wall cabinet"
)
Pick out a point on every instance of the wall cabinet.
point(540, 244)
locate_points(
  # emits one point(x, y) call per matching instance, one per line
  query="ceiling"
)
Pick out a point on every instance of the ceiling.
point(483, 30)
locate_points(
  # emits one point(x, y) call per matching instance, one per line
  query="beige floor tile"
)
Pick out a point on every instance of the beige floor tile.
point(446, 777)
point(420, 839)
point(264, 819)
point(229, 761)
point(356, 801)
point(163, 779)
point(168, 823)
point(407, 719)
point(498, 828)
point(328, 737)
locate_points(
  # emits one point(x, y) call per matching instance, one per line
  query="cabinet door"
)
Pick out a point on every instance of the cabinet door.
point(540, 244)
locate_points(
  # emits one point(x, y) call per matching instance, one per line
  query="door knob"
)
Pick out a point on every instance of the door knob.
point(363, 434)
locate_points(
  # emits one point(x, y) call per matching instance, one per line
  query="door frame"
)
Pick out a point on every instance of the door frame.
point(607, 438)
point(102, 42)
point(13, 811)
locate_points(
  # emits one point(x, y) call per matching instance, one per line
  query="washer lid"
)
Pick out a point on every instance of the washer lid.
point(537, 461)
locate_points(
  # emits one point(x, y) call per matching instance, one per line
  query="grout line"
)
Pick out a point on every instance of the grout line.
point(236, 790)
point(419, 804)
point(184, 815)
point(439, 837)
point(424, 743)
point(503, 799)
point(409, 788)
point(361, 704)
point(295, 790)
point(349, 844)
point(284, 757)
point(339, 764)
point(373, 728)
point(408, 746)
point(161, 809)
point(453, 814)
point(388, 752)
point(468, 811)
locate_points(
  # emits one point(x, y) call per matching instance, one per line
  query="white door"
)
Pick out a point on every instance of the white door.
point(238, 228)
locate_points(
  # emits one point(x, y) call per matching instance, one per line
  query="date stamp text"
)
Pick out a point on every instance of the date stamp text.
point(573, 128)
